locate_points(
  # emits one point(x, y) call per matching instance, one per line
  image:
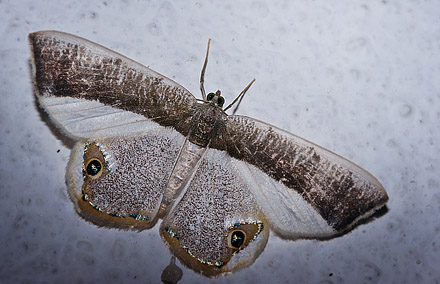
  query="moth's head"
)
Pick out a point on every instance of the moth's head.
point(216, 99)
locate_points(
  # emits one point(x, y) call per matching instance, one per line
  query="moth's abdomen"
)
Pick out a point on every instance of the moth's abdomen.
point(184, 167)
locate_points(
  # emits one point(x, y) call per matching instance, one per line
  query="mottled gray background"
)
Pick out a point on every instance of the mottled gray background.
point(361, 78)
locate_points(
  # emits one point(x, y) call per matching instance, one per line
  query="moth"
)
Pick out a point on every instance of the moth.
point(147, 149)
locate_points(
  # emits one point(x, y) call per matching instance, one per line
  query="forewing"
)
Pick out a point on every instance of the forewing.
point(91, 91)
point(118, 181)
point(305, 190)
point(217, 226)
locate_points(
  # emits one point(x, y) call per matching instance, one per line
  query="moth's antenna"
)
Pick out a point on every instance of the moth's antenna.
point(240, 96)
point(202, 76)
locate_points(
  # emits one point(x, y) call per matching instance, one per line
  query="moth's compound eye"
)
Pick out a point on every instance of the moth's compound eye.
point(220, 101)
point(93, 168)
point(210, 96)
point(237, 239)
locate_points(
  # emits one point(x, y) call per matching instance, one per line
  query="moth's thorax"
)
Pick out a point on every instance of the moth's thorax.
point(206, 121)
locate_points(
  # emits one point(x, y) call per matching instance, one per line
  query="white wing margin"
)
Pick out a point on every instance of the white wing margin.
point(289, 215)
point(84, 119)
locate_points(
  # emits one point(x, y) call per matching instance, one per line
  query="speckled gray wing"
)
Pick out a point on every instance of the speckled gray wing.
point(119, 181)
point(305, 191)
point(91, 91)
point(217, 226)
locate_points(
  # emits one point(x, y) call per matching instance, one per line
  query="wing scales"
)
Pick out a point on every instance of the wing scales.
point(70, 66)
point(340, 191)
point(84, 119)
point(137, 170)
point(217, 200)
